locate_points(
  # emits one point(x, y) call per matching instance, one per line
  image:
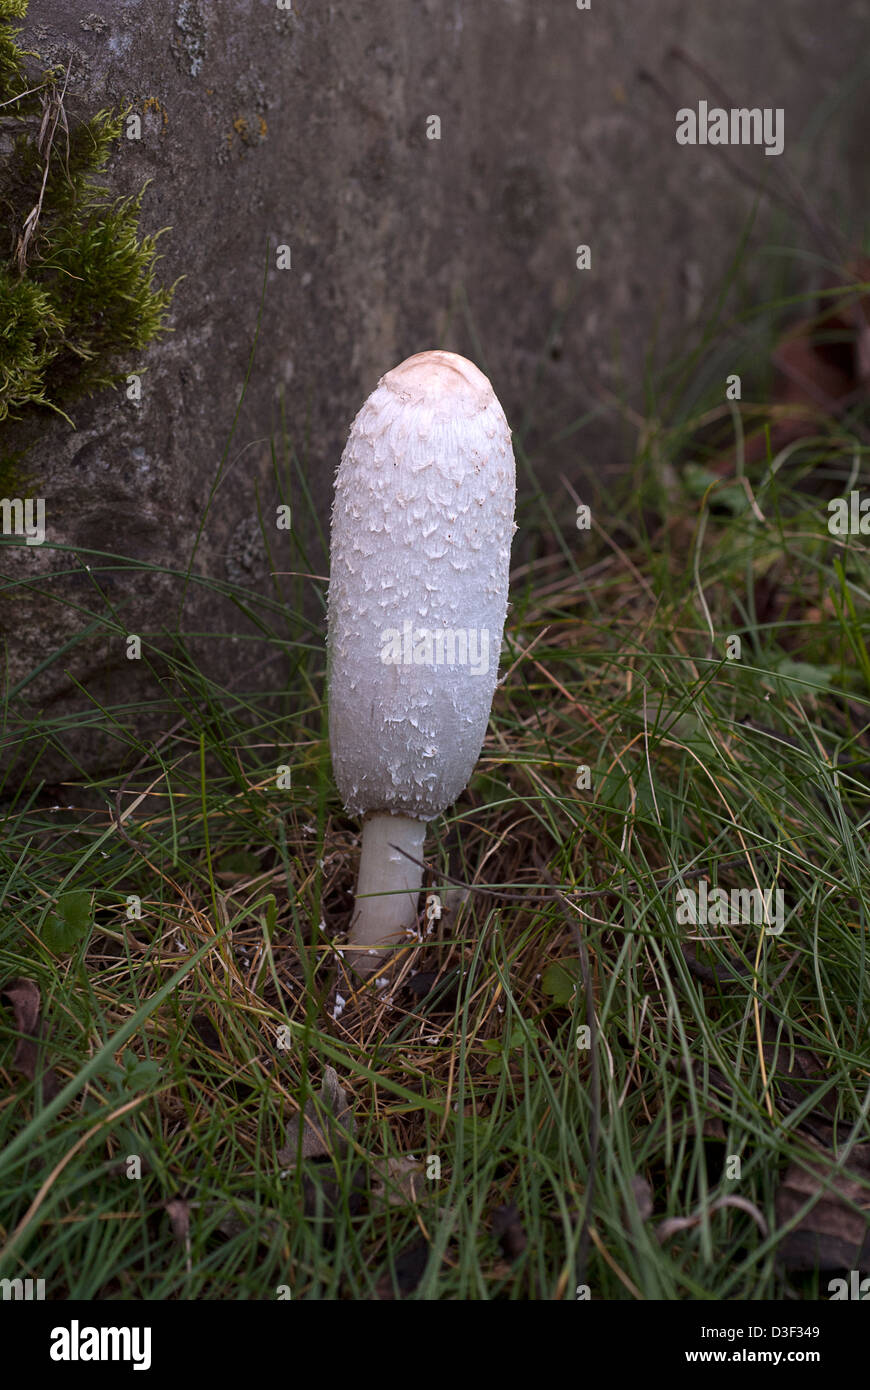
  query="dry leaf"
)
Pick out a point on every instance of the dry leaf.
point(642, 1193)
point(823, 366)
point(24, 997)
point(408, 1271)
point(832, 1234)
point(245, 1216)
point(399, 1179)
point(178, 1212)
point(672, 1224)
point(509, 1231)
point(328, 1125)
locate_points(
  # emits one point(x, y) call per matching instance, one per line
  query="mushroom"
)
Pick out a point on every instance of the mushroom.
point(422, 522)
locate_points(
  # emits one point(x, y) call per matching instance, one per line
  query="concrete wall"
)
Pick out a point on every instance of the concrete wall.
point(309, 128)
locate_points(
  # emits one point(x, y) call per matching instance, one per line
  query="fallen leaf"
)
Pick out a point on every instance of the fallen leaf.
point(399, 1179)
point(406, 1273)
point(206, 1032)
point(832, 1234)
point(509, 1231)
point(643, 1198)
point(246, 1217)
point(672, 1224)
point(823, 366)
point(327, 1125)
point(24, 997)
point(178, 1212)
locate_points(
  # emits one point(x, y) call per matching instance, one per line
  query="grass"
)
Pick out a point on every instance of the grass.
point(720, 1062)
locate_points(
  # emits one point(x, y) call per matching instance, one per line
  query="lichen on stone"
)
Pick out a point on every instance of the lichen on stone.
point(245, 557)
point(191, 20)
point(94, 23)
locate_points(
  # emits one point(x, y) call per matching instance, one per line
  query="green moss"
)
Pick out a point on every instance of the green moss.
point(77, 285)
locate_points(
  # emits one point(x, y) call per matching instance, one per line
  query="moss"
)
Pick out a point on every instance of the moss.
point(12, 78)
point(77, 285)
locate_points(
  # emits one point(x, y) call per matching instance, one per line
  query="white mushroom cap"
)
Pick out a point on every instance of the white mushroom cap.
point(421, 532)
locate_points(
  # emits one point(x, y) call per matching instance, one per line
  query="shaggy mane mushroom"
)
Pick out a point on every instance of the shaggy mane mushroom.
point(420, 551)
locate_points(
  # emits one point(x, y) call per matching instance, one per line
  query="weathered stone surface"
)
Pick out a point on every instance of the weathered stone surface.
point(308, 127)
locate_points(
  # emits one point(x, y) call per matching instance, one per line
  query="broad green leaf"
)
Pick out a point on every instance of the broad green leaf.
point(560, 980)
point(65, 928)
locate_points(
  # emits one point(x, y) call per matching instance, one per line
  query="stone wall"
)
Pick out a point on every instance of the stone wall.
point(309, 127)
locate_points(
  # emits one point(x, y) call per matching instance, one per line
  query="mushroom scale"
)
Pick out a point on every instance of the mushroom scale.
point(421, 531)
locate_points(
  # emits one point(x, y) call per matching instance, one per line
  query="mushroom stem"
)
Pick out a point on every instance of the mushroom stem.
point(387, 888)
